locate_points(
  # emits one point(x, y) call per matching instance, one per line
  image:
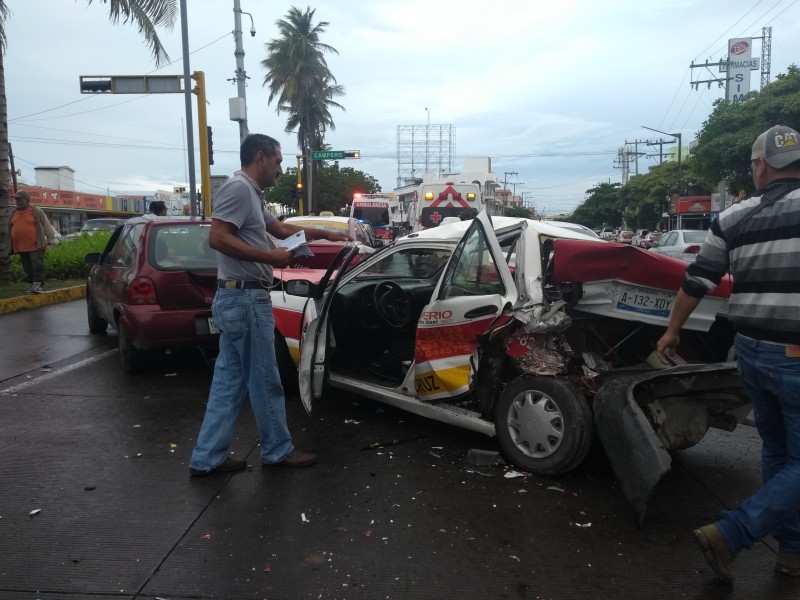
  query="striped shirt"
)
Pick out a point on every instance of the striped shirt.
point(762, 252)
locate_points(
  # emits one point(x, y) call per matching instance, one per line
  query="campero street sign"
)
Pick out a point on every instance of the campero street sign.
point(334, 154)
point(326, 154)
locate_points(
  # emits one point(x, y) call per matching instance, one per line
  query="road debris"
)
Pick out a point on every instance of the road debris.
point(512, 474)
point(478, 457)
point(378, 445)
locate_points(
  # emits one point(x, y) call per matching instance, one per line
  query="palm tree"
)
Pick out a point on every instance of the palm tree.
point(299, 79)
point(147, 15)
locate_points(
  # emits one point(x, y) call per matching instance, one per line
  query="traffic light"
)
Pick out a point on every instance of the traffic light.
point(352, 154)
point(210, 146)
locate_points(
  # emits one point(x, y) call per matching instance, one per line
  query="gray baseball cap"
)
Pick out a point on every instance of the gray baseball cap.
point(779, 146)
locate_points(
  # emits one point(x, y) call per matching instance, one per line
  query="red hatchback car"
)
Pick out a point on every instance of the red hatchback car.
point(154, 283)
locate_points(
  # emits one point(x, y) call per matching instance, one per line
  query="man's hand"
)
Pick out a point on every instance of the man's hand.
point(332, 236)
point(280, 258)
point(667, 345)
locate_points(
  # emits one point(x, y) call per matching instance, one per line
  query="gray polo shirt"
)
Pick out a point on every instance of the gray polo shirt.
point(239, 202)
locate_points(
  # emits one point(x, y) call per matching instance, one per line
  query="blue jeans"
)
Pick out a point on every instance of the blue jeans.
point(246, 364)
point(772, 380)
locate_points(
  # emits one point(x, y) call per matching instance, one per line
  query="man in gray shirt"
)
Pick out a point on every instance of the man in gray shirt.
point(242, 311)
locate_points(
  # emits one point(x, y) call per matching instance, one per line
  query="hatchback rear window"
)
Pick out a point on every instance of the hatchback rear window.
point(182, 247)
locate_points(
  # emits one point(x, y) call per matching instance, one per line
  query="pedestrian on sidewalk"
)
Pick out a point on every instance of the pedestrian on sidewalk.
point(758, 241)
point(30, 233)
point(242, 310)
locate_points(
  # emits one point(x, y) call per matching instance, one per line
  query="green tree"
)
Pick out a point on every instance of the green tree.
point(147, 15)
point(521, 212)
point(726, 138)
point(299, 80)
point(602, 206)
point(337, 186)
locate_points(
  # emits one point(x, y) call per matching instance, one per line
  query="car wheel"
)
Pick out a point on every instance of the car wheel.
point(544, 425)
point(286, 366)
point(133, 360)
point(96, 324)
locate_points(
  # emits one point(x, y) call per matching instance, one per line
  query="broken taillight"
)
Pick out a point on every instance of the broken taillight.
point(142, 291)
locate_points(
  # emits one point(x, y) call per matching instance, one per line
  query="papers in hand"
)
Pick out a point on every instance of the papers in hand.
point(296, 244)
point(293, 241)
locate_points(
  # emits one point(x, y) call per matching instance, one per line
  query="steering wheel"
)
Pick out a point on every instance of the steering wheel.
point(392, 304)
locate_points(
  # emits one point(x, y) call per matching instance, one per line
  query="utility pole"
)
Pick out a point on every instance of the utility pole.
point(187, 97)
point(238, 105)
point(505, 183)
point(660, 144)
point(678, 138)
point(636, 153)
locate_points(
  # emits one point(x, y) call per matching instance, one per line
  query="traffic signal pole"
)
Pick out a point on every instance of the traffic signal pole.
point(202, 128)
point(298, 186)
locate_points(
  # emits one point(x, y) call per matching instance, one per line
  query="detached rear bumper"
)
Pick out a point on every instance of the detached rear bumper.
point(639, 418)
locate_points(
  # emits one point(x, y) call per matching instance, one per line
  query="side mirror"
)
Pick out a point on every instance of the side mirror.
point(378, 243)
point(93, 258)
point(300, 287)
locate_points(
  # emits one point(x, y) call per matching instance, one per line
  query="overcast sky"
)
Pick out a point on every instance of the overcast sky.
point(549, 90)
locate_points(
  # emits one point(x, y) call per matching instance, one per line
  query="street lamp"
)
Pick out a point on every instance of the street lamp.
point(676, 136)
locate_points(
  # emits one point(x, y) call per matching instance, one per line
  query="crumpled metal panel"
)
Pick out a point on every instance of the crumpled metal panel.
point(538, 353)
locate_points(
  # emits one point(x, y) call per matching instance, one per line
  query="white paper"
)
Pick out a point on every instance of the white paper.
point(293, 241)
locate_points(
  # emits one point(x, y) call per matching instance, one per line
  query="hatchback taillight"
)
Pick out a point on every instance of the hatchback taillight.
point(142, 291)
point(695, 249)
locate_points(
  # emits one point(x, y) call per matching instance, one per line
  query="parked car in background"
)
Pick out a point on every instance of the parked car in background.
point(92, 226)
point(650, 240)
point(683, 244)
point(625, 236)
point(548, 355)
point(325, 251)
point(638, 237)
point(154, 283)
point(609, 233)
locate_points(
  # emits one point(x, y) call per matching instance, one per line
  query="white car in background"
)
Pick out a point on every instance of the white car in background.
point(683, 244)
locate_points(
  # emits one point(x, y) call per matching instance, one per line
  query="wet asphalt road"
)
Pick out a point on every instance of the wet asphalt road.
point(103, 459)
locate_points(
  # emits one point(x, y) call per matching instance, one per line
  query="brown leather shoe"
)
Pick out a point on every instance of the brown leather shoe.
point(229, 465)
point(715, 550)
point(295, 458)
point(788, 564)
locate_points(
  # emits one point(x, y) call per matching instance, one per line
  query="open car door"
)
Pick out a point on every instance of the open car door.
point(474, 296)
point(312, 369)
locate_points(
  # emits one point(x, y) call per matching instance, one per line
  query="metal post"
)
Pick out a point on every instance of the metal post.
point(187, 95)
point(241, 74)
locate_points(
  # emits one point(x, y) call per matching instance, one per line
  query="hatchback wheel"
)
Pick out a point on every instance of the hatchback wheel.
point(544, 425)
point(133, 360)
point(96, 324)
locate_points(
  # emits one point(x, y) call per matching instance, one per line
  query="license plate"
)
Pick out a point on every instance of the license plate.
point(212, 328)
point(646, 301)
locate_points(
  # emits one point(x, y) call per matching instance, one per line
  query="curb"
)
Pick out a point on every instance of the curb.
point(35, 300)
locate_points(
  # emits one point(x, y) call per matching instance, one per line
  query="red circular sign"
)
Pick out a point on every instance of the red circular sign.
point(740, 47)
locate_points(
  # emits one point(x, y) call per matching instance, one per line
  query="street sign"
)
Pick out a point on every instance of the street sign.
point(327, 154)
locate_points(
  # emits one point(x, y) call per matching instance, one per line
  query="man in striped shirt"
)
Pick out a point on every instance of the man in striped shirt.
point(758, 241)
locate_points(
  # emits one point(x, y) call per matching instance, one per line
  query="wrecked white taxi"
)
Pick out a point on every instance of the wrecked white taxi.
point(536, 334)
